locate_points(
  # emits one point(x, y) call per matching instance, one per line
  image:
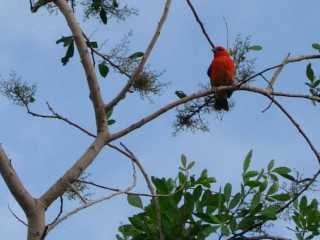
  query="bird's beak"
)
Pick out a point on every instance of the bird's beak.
point(214, 50)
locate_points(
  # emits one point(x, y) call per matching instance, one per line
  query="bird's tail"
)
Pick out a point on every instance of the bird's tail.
point(221, 103)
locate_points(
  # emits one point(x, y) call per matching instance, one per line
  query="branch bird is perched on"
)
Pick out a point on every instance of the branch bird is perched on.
point(221, 73)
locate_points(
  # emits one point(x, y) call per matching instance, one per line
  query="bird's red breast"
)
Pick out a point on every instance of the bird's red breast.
point(221, 73)
point(222, 69)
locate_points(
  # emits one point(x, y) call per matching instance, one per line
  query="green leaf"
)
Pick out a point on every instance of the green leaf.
point(32, 99)
point(111, 121)
point(281, 197)
point(135, 201)
point(270, 212)
point(310, 73)
point(250, 174)
point(273, 189)
point(65, 40)
point(69, 54)
point(253, 184)
point(316, 83)
point(115, 3)
point(197, 193)
point(109, 113)
point(103, 16)
point(303, 204)
point(316, 46)
point(274, 177)
point(225, 230)
point(208, 218)
point(227, 191)
point(263, 186)
point(270, 165)
point(190, 165)
point(235, 201)
point(282, 170)
point(247, 161)
point(103, 69)
point(255, 200)
point(289, 177)
point(136, 55)
point(183, 160)
point(92, 44)
point(255, 48)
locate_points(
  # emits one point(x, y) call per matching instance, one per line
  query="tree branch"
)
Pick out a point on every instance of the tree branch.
point(58, 188)
point(277, 73)
point(16, 187)
point(265, 237)
point(35, 6)
point(89, 69)
point(200, 23)
point(145, 57)
point(151, 189)
point(91, 203)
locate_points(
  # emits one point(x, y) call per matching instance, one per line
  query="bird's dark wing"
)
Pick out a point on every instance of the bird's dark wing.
point(209, 71)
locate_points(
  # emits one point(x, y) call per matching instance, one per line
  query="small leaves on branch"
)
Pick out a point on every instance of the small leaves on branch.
point(68, 42)
point(194, 207)
point(316, 46)
point(20, 93)
point(313, 83)
point(103, 69)
point(107, 9)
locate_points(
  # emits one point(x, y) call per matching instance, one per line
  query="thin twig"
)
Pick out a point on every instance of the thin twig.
point(271, 87)
point(289, 60)
point(94, 202)
point(144, 59)
point(150, 187)
point(16, 216)
point(277, 73)
point(227, 30)
point(200, 23)
point(73, 189)
point(91, 77)
point(59, 213)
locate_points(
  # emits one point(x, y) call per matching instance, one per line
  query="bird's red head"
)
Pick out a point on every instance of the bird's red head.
point(220, 51)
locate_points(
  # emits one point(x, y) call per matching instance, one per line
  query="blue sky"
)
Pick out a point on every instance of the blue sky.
point(41, 150)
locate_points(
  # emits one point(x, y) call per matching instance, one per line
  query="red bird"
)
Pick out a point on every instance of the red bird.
point(221, 73)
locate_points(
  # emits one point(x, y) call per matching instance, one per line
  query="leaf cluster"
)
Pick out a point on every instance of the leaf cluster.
point(195, 207)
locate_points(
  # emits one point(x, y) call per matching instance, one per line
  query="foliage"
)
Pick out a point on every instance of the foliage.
point(20, 93)
point(196, 207)
point(105, 9)
point(313, 82)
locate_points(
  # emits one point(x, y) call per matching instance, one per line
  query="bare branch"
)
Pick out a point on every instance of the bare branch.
point(297, 126)
point(113, 189)
point(16, 216)
point(59, 213)
point(58, 188)
point(151, 189)
point(200, 23)
point(92, 81)
point(58, 116)
point(84, 201)
point(289, 60)
point(91, 203)
point(265, 237)
point(277, 73)
point(144, 59)
point(16, 187)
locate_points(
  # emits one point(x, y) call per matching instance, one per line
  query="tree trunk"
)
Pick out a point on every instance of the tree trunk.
point(36, 222)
